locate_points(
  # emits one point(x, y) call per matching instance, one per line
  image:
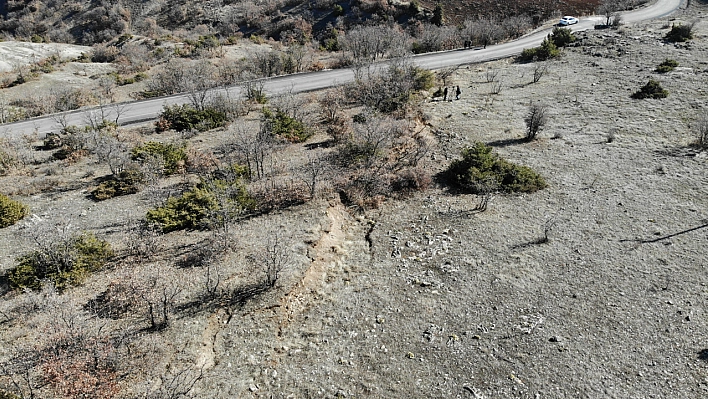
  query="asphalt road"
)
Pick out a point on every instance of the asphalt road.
point(145, 110)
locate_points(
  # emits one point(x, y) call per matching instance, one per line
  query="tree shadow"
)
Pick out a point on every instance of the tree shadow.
point(680, 151)
point(236, 298)
point(507, 142)
point(320, 144)
point(640, 241)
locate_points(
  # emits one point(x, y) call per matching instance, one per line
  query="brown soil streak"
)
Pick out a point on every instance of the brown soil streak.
point(327, 251)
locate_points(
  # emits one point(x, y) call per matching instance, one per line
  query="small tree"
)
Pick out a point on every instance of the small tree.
point(535, 120)
point(538, 71)
point(562, 37)
point(680, 33)
point(610, 9)
point(545, 51)
point(438, 15)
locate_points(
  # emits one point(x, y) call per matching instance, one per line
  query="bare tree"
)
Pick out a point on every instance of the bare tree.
point(482, 32)
point(539, 70)
point(254, 146)
point(273, 257)
point(253, 89)
point(491, 75)
point(331, 104)
point(497, 86)
point(611, 8)
point(535, 120)
point(156, 290)
point(315, 169)
point(446, 73)
point(203, 77)
point(370, 43)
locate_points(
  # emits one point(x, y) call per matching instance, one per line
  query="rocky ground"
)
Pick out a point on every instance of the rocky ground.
point(593, 287)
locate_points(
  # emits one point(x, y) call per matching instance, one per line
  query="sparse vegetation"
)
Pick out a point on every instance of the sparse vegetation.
point(652, 89)
point(11, 211)
point(480, 167)
point(126, 182)
point(667, 65)
point(66, 263)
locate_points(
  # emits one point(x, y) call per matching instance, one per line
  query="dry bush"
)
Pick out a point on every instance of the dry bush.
point(201, 162)
point(278, 194)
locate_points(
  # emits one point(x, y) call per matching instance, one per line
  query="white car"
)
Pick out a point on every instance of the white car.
point(567, 20)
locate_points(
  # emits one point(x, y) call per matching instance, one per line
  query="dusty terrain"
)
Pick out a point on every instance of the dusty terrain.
point(427, 298)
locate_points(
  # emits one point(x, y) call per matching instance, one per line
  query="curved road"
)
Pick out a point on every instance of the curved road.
point(149, 109)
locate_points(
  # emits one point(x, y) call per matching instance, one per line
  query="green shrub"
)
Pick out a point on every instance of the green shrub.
point(283, 125)
point(11, 211)
point(545, 51)
point(173, 156)
point(667, 66)
point(185, 117)
point(680, 33)
point(65, 263)
point(224, 197)
point(424, 79)
point(337, 10)
point(481, 167)
point(126, 182)
point(330, 40)
point(562, 37)
point(652, 89)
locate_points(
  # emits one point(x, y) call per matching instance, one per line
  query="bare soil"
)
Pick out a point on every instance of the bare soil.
point(594, 287)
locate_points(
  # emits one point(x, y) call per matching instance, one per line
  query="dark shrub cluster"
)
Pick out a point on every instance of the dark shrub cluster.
point(185, 117)
point(11, 211)
point(652, 89)
point(480, 167)
point(545, 51)
point(173, 156)
point(680, 33)
point(126, 182)
point(562, 37)
point(667, 65)
point(65, 264)
point(279, 123)
point(211, 203)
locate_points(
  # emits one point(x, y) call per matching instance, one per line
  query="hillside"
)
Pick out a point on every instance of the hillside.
point(90, 22)
point(594, 286)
